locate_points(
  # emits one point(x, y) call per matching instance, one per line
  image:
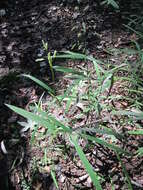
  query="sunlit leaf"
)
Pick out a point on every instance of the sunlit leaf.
point(136, 132)
point(87, 165)
point(31, 116)
point(53, 174)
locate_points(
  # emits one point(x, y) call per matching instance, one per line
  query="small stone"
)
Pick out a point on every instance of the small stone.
point(76, 8)
point(47, 169)
point(54, 8)
point(75, 15)
point(99, 163)
point(129, 166)
point(2, 12)
point(62, 179)
point(89, 182)
point(83, 177)
point(114, 178)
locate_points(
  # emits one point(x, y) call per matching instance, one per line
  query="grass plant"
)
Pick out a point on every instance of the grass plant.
point(91, 91)
point(98, 83)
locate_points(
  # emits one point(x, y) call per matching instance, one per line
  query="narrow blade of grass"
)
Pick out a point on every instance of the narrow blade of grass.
point(87, 165)
point(42, 84)
point(29, 115)
point(106, 144)
point(50, 122)
point(67, 70)
point(136, 132)
point(54, 178)
point(107, 83)
point(47, 123)
point(103, 131)
point(139, 152)
point(130, 28)
point(72, 55)
point(96, 64)
point(137, 115)
point(125, 173)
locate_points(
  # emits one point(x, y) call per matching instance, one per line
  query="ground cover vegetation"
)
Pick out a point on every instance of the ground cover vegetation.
point(83, 127)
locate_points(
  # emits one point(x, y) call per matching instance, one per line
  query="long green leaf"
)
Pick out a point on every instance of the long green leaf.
point(42, 84)
point(48, 123)
point(113, 3)
point(87, 165)
point(71, 55)
point(38, 119)
point(107, 83)
point(125, 173)
point(106, 144)
point(54, 178)
point(67, 70)
point(139, 152)
point(96, 64)
point(130, 28)
point(136, 132)
point(110, 2)
point(105, 130)
point(137, 115)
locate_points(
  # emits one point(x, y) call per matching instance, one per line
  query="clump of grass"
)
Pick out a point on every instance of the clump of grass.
point(98, 83)
point(90, 91)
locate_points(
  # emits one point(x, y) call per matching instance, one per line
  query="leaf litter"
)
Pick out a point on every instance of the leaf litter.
point(61, 25)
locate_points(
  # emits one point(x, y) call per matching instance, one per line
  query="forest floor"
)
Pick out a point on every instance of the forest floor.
point(72, 27)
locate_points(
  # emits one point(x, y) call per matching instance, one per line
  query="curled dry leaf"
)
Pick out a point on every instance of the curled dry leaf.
point(3, 148)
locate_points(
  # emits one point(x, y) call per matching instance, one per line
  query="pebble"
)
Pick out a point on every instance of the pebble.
point(62, 179)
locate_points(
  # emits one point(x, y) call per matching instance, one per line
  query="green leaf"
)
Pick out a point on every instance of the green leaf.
point(113, 3)
point(107, 82)
point(140, 152)
point(136, 132)
point(106, 144)
point(48, 122)
point(50, 60)
point(129, 51)
point(54, 178)
point(125, 173)
point(103, 131)
point(97, 69)
point(59, 124)
point(117, 68)
point(110, 2)
point(130, 28)
point(137, 115)
point(71, 55)
point(97, 66)
point(67, 70)
point(51, 91)
point(87, 165)
point(31, 116)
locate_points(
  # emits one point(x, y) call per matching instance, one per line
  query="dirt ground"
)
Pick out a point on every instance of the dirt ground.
point(85, 28)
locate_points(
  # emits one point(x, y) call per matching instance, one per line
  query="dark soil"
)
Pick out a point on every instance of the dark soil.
point(86, 28)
